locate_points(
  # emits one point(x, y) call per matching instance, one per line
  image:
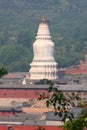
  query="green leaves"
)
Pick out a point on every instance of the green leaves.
point(68, 23)
point(3, 71)
point(62, 104)
point(77, 124)
point(14, 57)
point(48, 103)
point(59, 101)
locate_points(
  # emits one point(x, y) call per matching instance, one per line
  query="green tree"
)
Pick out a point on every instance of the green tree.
point(24, 38)
point(59, 101)
point(62, 104)
point(77, 124)
point(3, 71)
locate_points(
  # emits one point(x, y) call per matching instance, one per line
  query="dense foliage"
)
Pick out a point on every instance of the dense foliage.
point(18, 26)
point(77, 124)
point(62, 103)
point(3, 71)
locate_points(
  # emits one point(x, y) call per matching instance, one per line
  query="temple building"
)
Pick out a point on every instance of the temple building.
point(43, 65)
point(80, 69)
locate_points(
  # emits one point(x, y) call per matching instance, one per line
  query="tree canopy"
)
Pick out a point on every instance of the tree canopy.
point(62, 104)
point(3, 71)
point(19, 23)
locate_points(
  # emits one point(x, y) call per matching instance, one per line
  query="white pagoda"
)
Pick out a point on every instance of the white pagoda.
point(43, 65)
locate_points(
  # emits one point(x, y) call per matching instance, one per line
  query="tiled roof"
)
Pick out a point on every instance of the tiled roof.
point(10, 109)
point(52, 117)
point(73, 88)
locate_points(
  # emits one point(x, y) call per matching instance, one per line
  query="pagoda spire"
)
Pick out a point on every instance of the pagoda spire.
point(43, 65)
point(43, 30)
point(43, 20)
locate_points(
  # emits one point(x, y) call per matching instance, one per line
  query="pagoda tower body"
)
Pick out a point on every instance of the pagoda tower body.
point(43, 65)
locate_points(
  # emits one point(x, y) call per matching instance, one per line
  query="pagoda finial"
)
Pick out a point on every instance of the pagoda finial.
point(43, 20)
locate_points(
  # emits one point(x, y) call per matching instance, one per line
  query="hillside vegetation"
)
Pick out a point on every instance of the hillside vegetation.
point(19, 21)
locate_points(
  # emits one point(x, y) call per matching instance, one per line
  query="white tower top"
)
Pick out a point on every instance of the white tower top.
point(43, 30)
point(43, 46)
point(43, 64)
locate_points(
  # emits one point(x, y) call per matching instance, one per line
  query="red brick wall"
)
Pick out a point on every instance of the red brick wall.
point(3, 128)
point(35, 127)
point(31, 127)
point(6, 113)
point(20, 93)
point(73, 71)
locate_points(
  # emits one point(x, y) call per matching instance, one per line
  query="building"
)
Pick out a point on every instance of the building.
point(43, 65)
point(19, 98)
point(12, 89)
point(76, 70)
point(30, 128)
